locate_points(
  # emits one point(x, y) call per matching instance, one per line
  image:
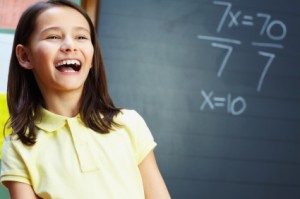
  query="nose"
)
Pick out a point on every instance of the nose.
point(68, 45)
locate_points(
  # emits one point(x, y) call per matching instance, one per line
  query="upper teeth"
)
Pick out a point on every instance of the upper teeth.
point(65, 62)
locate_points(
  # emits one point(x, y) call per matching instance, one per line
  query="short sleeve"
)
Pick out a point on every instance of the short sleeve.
point(142, 139)
point(12, 165)
point(145, 140)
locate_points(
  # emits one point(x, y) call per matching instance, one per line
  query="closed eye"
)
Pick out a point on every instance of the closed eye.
point(82, 37)
point(53, 37)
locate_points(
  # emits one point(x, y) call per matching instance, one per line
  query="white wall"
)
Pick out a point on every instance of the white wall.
point(6, 41)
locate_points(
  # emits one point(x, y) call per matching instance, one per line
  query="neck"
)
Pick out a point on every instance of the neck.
point(65, 104)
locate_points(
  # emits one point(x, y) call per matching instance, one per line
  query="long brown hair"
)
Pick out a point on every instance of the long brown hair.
point(23, 94)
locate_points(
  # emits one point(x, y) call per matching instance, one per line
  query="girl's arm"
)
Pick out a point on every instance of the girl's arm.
point(154, 185)
point(20, 190)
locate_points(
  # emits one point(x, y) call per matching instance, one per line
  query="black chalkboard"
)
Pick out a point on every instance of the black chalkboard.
point(218, 83)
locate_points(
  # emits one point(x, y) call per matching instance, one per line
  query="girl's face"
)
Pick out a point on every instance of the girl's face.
point(60, 50)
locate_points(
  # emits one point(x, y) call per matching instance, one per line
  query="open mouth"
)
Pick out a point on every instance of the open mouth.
point(68, 66)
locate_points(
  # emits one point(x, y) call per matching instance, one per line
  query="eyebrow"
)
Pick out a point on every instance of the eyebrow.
point(58, 29)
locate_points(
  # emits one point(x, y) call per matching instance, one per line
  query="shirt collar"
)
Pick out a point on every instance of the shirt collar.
point(51, 122)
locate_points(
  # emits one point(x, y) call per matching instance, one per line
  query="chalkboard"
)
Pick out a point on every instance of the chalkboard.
point(218, 85)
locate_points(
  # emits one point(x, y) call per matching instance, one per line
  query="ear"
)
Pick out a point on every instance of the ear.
point(22, 53)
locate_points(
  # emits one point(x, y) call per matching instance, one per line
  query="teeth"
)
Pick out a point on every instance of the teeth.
point(68, 62)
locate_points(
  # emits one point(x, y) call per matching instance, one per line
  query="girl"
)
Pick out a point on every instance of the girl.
point(69, 141)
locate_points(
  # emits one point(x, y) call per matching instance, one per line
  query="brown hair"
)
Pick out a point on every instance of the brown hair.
point(23, 94)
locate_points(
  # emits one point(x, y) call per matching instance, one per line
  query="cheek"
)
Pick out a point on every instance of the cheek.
point(90, 54)
point(41, 53)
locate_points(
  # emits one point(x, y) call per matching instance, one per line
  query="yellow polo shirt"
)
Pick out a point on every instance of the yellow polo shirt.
point(71, 161)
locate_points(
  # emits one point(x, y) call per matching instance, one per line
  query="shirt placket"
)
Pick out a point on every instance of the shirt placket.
point(83, 151)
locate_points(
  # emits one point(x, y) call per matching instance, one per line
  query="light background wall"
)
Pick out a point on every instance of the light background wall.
point(6, 40)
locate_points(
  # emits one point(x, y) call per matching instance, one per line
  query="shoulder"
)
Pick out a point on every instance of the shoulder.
point(11, 140)
point(11, 146)
point(134, 124)
point(128, 117)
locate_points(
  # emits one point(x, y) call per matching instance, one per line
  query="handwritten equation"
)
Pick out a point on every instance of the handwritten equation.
point(272, 29)
point(232, 105)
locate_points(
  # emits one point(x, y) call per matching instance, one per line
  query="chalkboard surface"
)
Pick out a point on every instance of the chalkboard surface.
point(218, 83)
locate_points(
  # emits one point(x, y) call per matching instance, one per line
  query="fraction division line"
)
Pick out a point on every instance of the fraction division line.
point(233, 41)
point(269, 45)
